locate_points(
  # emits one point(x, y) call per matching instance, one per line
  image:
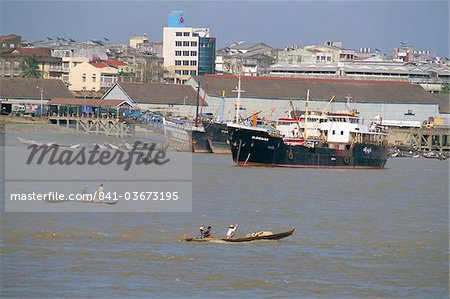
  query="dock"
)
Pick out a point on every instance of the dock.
point(99, 126)
point(424, 139)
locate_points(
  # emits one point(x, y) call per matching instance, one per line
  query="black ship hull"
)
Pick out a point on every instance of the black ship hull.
point(256, 147)
point(217, 135)
point(200, 142)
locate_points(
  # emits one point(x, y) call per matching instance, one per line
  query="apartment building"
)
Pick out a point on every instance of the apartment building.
point(49, 67)
point(187, 51)
point(92, 76)
point(9, 43)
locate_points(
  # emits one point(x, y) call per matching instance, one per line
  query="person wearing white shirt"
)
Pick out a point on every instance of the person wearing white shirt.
point(231, 231)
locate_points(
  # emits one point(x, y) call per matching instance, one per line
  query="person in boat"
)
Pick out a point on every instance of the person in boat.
point(100, 193)
point(101, 189)
point(207, 232)
point(231, 231)
point(202, 231)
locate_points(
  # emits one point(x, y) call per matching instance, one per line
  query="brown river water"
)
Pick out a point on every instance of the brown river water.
point(359, 234)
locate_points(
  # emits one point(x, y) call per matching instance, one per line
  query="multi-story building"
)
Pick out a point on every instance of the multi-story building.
point(11, 64)
point(296, 55)
point(137, 40)
point(92, 76)
point(68, 63)
point(331, 51)
point(245, 59)
point(87, 49)
point(187, 51)
point(145, 62)
point(9, 43)
point(409, 54)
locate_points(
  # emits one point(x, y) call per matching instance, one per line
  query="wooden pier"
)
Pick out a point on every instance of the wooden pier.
point(103, 126)
point(437, 139)
point(434, 139)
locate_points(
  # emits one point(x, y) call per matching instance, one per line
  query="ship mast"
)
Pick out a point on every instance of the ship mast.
point(306, 115)
point(238, 90)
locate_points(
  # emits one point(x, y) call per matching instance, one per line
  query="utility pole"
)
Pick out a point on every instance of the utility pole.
point(42, 99)
point(198, 103)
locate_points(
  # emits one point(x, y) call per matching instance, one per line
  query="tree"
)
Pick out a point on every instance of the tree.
point(445, 88)
point(30, 68)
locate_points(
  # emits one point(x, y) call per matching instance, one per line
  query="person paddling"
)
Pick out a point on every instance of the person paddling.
point(207, 233)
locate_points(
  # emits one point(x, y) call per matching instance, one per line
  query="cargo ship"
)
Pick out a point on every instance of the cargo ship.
point(217, 136)
point(342, 141)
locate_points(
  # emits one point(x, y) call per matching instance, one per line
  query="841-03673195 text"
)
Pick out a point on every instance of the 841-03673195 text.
point(99, 196)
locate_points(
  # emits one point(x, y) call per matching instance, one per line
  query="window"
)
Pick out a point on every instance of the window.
point(193, 44)
point(7, 68)
point(177, 53)
point(185, 44)
point(94, 78)
point(193, 73)
point(193, 62)
point(185, 62)
point(177, 62)
point(16, 71)
point(193, 53)
point(178, 72)
point(179, 34)
point(65, 65)
point(12, 46)
point(185, 33)
point(342, 132)
point(334, 132)
point(185, 53)
point(83, 78)
point(185, 72)
point(177, 44)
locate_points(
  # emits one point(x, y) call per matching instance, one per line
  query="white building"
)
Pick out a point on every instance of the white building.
point(183, 48)
point(137, 40)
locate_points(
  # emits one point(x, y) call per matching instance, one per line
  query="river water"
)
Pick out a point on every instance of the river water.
point(359, 233)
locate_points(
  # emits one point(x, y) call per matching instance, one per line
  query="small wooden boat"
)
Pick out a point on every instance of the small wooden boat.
point(51, 200)
point(34, 142)
point(277, 236)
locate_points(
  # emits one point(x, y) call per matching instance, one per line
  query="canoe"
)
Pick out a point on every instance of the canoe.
point(277, 236)
point(47, 199)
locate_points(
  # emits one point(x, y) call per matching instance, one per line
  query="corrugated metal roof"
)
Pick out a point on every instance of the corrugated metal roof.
point(27, 88)
point(444, 101)
point(158, 93)
point(320, 89)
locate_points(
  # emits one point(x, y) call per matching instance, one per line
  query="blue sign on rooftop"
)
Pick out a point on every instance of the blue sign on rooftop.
point(176, 19)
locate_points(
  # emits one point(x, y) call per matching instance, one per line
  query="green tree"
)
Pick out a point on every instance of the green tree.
point(30, 68)
point(445, 88)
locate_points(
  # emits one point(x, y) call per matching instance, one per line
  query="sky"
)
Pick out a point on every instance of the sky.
point(375, 24)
